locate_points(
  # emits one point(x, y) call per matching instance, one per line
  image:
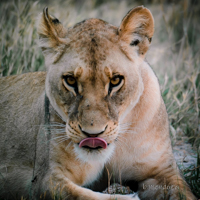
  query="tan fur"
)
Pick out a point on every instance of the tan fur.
point(39, 152)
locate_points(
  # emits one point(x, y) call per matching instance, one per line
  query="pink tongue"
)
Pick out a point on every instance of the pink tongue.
point(93, 142)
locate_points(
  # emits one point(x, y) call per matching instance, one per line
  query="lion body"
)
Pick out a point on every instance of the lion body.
point(19, 131)
point(44, 119)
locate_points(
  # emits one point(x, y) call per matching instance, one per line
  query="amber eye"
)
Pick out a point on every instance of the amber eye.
point(70, 80)
point(70, 83)
point(115, 82)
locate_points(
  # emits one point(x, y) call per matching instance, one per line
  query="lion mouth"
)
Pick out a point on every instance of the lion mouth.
point(93, 143)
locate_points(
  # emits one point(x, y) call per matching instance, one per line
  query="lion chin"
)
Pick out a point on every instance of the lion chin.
point(98, 155)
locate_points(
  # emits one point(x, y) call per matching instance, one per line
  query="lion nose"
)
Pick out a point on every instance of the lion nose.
point(92, 132)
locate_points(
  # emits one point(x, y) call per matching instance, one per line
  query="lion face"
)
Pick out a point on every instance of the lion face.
point(93, 81)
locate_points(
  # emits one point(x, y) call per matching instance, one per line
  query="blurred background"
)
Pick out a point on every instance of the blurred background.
point(174, 54)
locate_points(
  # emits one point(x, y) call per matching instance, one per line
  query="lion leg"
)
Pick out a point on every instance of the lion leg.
point(63, 188)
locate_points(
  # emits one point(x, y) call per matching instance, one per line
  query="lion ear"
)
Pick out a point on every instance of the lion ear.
point(51, 35)
point(137, 29)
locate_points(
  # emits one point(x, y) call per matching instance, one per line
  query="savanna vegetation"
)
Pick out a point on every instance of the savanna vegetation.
point(174, 54)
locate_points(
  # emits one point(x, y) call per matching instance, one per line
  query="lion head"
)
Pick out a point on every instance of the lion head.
point(93, 76)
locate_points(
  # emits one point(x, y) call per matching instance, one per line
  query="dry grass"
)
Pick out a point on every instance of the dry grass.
point(174, 54)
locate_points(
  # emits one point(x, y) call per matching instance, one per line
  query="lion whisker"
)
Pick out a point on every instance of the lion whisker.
point(127, 123)
point(68, 145)
point(59, 115)
point(58, 130)
point(52, 126)
point(62, 140)
point(57, 123)
point(58, 137)
point(123, 130)
point(130, 131)
point(125, 127)
point(118, 139)
point(120, 136)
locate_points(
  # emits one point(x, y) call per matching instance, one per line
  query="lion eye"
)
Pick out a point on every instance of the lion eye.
point(115, 81)
point(70, 83)
point(70, 80)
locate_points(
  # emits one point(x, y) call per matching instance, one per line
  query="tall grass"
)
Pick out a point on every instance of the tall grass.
point(174, 54)
point(18, 49)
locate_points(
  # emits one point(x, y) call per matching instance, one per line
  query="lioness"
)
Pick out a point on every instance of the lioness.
point(96, 116)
